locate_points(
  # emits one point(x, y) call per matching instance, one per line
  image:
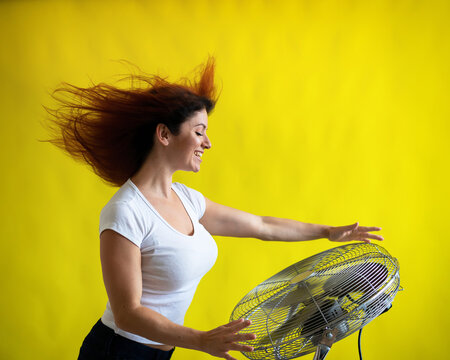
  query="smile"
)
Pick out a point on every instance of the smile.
point(198, 154)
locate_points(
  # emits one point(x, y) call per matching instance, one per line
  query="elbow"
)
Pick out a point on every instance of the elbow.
point(123, 318)
point(120, 320)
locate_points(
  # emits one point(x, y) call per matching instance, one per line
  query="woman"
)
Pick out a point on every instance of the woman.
point(155, 235)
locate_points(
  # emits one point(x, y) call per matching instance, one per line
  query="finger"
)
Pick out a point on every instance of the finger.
point(367, 236)
point(231, 323)
point(239, 347)
point(241, 337)
point(240, 325)
point(369, 228)
point(349, 227)
point(229, 357)
point(375, 237)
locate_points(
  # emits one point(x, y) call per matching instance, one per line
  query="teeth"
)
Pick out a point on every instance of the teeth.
point(198, 153)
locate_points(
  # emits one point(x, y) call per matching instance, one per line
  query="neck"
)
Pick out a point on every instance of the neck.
point(154, 178)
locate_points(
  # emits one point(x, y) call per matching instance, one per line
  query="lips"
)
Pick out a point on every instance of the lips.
point(198, 154)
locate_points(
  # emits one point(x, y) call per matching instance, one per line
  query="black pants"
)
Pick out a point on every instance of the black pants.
point(103, 344)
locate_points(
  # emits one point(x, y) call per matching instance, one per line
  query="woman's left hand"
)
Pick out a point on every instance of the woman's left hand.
point(353, 232)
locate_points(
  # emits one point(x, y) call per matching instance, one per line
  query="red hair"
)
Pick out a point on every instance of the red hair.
point(112, 129)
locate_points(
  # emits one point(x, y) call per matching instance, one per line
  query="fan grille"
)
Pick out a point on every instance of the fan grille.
point(342, 289)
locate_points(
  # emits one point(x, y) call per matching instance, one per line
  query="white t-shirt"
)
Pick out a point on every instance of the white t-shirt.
point(172, 263)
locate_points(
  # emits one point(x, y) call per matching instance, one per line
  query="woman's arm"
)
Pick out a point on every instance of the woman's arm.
point(121, 266)
point(225, 221)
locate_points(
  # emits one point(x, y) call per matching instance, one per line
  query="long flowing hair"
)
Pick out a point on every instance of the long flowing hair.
point(112, 129)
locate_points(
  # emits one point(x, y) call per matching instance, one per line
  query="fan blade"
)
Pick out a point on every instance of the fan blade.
point(366, 277)
point(306, 318)
point(287, 298)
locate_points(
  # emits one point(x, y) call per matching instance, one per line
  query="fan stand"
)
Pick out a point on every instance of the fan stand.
point(328, 338)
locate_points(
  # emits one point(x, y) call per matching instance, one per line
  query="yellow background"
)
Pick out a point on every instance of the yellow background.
point(331, 112)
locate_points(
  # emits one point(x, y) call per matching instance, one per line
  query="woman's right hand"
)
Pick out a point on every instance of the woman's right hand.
point(219, 341)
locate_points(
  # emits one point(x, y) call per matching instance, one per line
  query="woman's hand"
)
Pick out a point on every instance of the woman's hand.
point(219, 341)
point(353, 232)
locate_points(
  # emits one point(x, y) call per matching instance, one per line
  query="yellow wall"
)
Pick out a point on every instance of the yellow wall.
point(331, 112)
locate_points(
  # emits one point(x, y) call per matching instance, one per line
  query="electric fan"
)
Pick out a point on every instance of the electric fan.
point(320, 300)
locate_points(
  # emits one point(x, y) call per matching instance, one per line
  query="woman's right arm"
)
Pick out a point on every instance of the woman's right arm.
point(121, 266)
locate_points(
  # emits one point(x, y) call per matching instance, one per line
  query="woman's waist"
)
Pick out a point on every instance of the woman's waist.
point(108, 320)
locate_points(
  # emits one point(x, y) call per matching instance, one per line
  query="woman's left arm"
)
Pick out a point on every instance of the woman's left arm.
point(225, 221)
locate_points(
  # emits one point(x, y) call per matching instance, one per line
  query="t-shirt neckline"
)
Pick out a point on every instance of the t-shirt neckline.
point(133, 185)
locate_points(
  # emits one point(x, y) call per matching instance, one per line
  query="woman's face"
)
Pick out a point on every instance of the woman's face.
point(191, 142)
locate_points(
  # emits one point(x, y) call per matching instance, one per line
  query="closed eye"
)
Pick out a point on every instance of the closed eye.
point(199, 134)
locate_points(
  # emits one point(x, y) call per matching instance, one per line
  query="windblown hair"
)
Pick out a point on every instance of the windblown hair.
point(112, 129)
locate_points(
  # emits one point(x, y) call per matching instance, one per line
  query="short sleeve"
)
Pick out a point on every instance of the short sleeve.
point(121, 218)
point(196, 199)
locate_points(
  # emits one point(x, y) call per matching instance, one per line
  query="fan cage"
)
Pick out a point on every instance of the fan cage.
point(343, 289)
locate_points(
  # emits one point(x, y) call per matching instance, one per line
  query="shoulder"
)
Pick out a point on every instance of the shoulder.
point(125, 214)
point(124, 202)
point(196, 199)
point(126, 197)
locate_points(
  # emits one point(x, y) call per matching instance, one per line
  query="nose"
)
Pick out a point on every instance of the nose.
point(206, 142)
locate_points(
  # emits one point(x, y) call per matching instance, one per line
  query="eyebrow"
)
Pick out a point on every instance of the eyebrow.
point(201, 124)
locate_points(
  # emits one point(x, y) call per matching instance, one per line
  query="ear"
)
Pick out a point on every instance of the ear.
point(163, 134)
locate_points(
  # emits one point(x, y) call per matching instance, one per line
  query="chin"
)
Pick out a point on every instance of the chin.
point(194, 169)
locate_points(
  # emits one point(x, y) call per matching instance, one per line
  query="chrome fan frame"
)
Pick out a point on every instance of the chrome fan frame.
point(317, 301)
